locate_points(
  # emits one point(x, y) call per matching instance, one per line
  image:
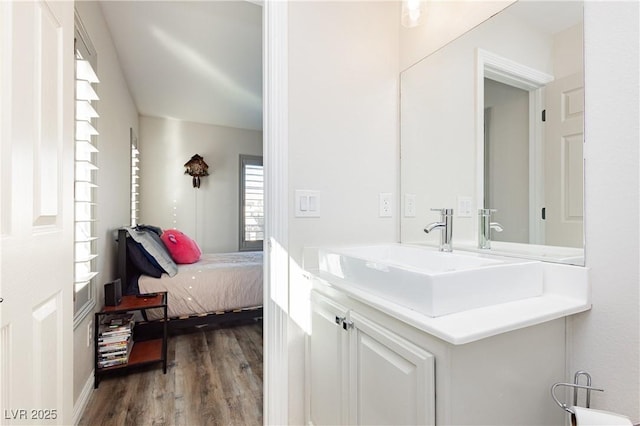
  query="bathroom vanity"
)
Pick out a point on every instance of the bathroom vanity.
point(373, 360)
point(403, 334)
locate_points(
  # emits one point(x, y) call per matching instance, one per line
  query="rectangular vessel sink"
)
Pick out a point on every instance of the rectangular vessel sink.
point(432, 282)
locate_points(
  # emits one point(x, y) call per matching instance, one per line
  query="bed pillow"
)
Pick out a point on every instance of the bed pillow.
point(182, 248)
point(141, 261)
point(154, 248)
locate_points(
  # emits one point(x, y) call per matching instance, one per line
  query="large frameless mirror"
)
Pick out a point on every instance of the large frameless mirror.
point(494, 120)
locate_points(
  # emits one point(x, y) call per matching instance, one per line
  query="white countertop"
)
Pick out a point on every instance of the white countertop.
point(566, 292)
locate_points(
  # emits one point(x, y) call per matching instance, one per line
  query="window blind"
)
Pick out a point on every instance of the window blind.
point(135, 168)
point(85, 177)
point(252, 203)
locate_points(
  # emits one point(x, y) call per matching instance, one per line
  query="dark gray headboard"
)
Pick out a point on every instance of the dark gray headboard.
point(124, 269)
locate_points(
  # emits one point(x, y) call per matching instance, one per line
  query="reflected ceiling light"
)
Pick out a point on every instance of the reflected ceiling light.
point(412, 12)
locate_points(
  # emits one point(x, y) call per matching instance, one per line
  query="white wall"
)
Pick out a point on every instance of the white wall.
point(343, 118)
point(567, 59)
point(210, 214)
point(606, 340)
point(117, 115)
point(343, 114)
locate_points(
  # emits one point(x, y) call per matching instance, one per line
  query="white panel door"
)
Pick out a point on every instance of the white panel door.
point(392, 380)
point(328, 358)
point(564, 183)
point(36, 226)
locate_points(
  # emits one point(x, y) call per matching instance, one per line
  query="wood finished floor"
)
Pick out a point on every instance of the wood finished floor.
point(214, 377)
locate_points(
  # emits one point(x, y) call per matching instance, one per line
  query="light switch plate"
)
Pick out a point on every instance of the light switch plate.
point(307, 203)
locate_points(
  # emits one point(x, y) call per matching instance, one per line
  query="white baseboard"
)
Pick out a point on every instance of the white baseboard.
point(83, 399)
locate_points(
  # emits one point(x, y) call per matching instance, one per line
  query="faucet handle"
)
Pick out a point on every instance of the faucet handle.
point(486, 212)
point(443, 211)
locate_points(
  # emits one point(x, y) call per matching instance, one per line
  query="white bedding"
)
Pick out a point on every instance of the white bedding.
point(217, 282)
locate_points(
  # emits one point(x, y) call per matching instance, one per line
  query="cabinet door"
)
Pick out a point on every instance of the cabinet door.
point(392, 380)
point(328, 352)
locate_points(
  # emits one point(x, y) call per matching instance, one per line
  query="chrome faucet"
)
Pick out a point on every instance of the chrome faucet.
point(446, 227)
point(485, 226)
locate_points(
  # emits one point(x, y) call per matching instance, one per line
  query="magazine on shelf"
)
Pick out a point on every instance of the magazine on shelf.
point(115, 340)
point(112, 347)
point(116, 322)
point(115, 356)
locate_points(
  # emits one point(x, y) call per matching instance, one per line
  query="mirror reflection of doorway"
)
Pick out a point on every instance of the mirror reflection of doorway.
point(512, 159)
point(506, 160)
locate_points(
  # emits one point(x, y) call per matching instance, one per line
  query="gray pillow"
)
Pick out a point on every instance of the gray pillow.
point(154, 247)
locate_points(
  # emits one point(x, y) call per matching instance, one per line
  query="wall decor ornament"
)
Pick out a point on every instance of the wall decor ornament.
point(196, 167)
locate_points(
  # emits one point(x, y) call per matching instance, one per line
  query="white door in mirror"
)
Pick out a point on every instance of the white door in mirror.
point(564, 140)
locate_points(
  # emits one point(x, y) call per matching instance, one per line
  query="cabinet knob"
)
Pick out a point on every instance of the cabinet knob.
point(340, 320)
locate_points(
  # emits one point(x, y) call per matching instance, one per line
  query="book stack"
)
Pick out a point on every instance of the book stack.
point(115, 340)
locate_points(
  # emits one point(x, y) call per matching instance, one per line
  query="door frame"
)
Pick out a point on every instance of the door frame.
point(495, 67)
point(276, 266)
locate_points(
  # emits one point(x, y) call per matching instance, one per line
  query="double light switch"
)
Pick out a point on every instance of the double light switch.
point(307, 203)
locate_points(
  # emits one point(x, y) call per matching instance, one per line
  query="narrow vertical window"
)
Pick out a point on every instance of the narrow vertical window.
point(135, 184)
point(251, 203)
point(85, 250)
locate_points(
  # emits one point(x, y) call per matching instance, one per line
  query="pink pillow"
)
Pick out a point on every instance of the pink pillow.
point(181, 248)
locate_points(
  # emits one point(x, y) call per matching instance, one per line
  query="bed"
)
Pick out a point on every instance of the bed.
point(218, 288)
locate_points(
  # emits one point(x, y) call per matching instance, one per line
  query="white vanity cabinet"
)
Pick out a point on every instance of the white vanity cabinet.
point(329, 361)
point(363, 373)
point(368, 367)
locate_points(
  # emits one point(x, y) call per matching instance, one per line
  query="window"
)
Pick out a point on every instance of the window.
point(251, 203)
point(85, 247)
point(135, 168)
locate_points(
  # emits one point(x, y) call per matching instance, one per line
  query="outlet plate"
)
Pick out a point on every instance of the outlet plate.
point(465, 206)
point(386, 204)
point(89, 333)
point(409, 205)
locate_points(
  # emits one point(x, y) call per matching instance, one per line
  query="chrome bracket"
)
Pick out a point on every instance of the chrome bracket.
point(575, 387)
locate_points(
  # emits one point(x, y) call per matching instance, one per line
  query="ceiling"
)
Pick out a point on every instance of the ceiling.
point(550, 17)
point(198, 61)
point(201, 61)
